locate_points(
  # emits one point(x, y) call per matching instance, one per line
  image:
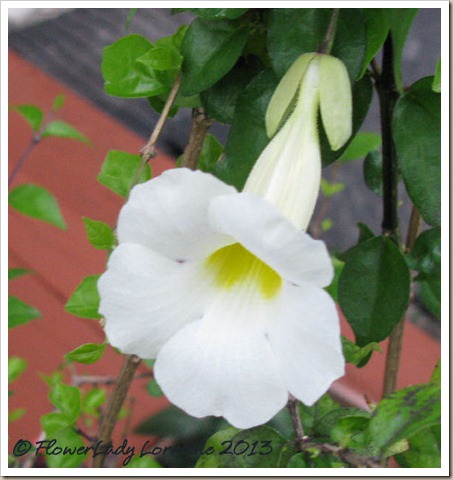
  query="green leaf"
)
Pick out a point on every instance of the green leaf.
point(143, 462)
point(373, 289)
point(17, 272)
point(430, 295)
point(119, 172)
point(220, 99)
point(93, 400)
point(332, 289)
point(130, 16)
point(84, 302)
point(372, 172)
point(67, 400)
point(73, 450)
point(326, 224)
point(154, 389)
point(54, 422)
point(210, 49)
point(256, 447)
point(210, 153)
point(437, 76)
point(298, 461)
point(436, 376)
point(62, 129)
point(377, 26)
point(365, 233)
point(330, 189)
point(294, 31)
point(426, 254)
point(20, 313)
point(16, 366)
point(361, 145)
point(247, 137)
point(362, 94)
point(416, 125)
point(31, 113)
point(404, 414)
point(36, 202)
point(16, 414)
point(58, 102)
point(349, 431)
point(424, 450)
point(355, 354)
point(88, 353)
point(400, 24)
point(229, 13)
point(99, 234)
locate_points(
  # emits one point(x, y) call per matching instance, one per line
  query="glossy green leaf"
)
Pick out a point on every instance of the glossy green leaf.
point(373, 289)
point(220, 100)
point(400, 24)
point(84, 302)
point(67, 400)
point(404, 414)
point(437, 77)
point(210, 49)
point(37, 202)
point(88, 353)
point(424, 450)
point(417, 125)
point(362, 144)
point(20, 313)
point(210, 153)
point(120, 171)
point(256, 447)
point(365, 233)
point(93, 400)
point(295, 31)
point(99, 234)
point(62, 129)
point(426, 254)
point(17, 272)
point(372, 172)
point(16, 366)
point(73, 450)
point(355, 354)
point(31, 113)
point(229, 13)
point(377, 25)
point(247, 137)
point(332, 289)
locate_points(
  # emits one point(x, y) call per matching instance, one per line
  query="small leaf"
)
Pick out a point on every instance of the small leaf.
point(88, 353)
point(373, 289)
point(326, 224)
point(16, 414)
point(120, 171)
point(99, 234)
point(361, 145)
point(417, 126)
point(332, 289)
point(94, 399)
point(58, 102)
point(67, 400)
point(210, 49)
point(372, 172)
point(355, 354)
point(154, 389)
point(436, 80)
point(36, 202)
point(424, 450)
point(16, 366)
point(84, 302)
point(31, 113)
point(130, 16)
point(17, 272)
point(62, 129)
point(20, 313)
point(210, 153)
point(53, 422)
point(330, 189)
point(70, 444)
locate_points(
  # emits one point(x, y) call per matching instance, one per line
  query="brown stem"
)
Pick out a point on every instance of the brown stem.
point(198, 130)
point(293, 407)
point(78, 380)
point(114, 405)
point(393, 357)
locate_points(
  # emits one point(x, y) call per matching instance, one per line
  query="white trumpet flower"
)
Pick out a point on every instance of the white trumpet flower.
point(224, 288)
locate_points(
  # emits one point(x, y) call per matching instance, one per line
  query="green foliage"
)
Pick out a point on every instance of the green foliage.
point(88, 353)
point(67, 400)
point(16, 366)
point(93, 400)
point(37, 202)
point(62, 129)
point(373, 289)
point(154, 389)
point(355, 354)
point(99, 234)
point(361, 145)
point(210, 153)
point(31, 113)
point(58, 102)
point(17, 272)
point(332, 289)
point(20, 313)
point(143, 462)
point(330, 189)
point(437, 77)
point(372, 171)
point(416, 126)
point(210, 49)
point(84, 302)
point(230, 13)
point(121, 170)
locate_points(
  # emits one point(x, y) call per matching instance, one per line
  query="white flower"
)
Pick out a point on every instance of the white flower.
point(228, 296)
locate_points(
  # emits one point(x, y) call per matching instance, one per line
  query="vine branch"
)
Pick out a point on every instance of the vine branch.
point(198, 130)
point(293, 407)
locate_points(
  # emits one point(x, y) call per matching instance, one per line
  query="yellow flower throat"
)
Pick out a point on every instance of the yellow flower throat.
point(234, 264)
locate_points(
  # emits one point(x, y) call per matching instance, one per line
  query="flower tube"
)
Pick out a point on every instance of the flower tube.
point(224, 288)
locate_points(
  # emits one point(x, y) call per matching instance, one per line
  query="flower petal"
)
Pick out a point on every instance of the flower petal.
point(169, 214)
point(223, 365)
point(260, 228)
point(306, 341)
point(146, 298)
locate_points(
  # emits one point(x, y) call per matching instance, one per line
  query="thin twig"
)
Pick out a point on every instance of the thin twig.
point(327, 43)
point(293, 407)
point(78, 380)
point(114, 405)
point(198, 130)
